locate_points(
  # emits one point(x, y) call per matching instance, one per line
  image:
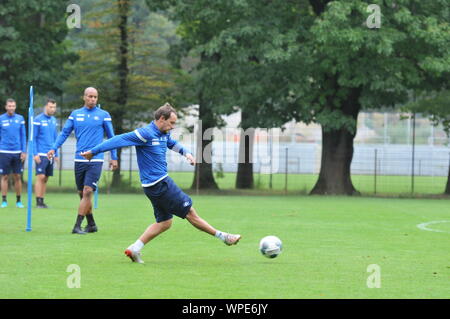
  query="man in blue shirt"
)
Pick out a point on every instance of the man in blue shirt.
point(166, 197)
point(90, 124)
point(12, 150)
point(44, 135)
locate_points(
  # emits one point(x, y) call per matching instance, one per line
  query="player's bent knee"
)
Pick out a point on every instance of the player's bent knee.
point(87, 191)
point(166, 224)
point(191, 214)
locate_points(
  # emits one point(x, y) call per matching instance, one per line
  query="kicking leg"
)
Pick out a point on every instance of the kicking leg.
point(203, 225)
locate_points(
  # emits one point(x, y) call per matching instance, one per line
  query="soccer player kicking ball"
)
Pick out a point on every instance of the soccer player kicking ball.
point(167, 198)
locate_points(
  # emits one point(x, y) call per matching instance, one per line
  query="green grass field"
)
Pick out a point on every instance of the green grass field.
point(328, 244)
point(296, 183)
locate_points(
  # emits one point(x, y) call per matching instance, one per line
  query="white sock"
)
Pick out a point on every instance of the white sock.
point(137, 246)
point(220, 235)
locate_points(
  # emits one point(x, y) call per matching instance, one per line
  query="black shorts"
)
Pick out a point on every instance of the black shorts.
point(87, 174)
point(45, 166)
point(10, 162)
point(168, 200)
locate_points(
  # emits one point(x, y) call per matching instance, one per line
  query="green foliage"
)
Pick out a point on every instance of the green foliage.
point(408, 52)
point(435, 105)
point(312, 60)
point(150, 78)
point(32, 49)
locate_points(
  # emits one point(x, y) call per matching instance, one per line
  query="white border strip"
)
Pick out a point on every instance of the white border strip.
point(151, 184)
point(423, 226)
point(140, 136)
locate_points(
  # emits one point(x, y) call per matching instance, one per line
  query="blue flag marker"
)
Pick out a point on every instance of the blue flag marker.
point(30, 158)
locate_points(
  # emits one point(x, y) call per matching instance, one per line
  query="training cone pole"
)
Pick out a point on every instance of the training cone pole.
point(30, 159)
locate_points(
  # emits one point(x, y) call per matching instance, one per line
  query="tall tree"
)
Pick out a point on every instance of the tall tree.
point(336, 66)
point(435, 105)
point(196, 26)
point(32, 49)
point(123, 53)
point(355, 67)
point(244, 48)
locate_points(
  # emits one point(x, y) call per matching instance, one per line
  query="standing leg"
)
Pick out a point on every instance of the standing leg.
point(86, 201)
point(83, 209)
point(4, 187)
point(39, 190)
point(134, 250)
point(154, 230)
point(18, 188)
point(91, 179)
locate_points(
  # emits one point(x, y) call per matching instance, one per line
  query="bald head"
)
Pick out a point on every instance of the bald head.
point(90, 97)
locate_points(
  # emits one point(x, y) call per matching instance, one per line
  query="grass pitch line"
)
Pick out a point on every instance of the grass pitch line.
point(424, 226)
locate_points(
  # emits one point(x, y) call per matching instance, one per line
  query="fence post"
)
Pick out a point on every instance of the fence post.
point(413, 152)
point(271, 154)
point(131, 162)
point(60, 165)
point(286, 172)
point(375, 173)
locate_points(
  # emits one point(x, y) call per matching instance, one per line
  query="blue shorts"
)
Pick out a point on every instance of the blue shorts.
point(87, 174)
point(10, 162)
point(168, 200)
point(45, 167)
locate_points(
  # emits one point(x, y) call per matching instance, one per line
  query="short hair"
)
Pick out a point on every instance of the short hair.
point(164, 111)
point(10, 101)
point(49, 100)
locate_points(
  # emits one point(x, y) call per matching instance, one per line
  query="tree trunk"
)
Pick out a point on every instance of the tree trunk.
point(447, 187)
point(244, 177)
point(122, 98)
point(337, 154)
point(203, 169)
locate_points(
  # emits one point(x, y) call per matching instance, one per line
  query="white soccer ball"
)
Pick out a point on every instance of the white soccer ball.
point(270, 246)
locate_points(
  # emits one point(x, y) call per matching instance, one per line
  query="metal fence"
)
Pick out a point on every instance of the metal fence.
point(385, 159)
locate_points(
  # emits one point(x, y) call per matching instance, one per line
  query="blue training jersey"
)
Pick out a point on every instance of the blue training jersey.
point(13, 137)
point(90, 126)
point(151, 146)
point(44, 134)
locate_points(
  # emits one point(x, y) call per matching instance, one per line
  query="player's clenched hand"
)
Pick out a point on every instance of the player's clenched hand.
point(190, 159)
point(113, 164)
point(50, 154)
point(37, 159)
point(87, 155)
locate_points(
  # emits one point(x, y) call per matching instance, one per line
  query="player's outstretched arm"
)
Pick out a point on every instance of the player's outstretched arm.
point(177, 147)
point(190, 158)
point(118, 141)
